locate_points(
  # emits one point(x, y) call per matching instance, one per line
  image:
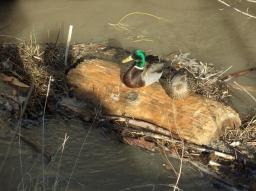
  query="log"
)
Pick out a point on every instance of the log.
point(194, 119)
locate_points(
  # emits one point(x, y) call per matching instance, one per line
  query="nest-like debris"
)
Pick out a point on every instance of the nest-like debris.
point(41, 62)
point(243, 139)
point(33, 64)
point(226, 165)
point(203, 78)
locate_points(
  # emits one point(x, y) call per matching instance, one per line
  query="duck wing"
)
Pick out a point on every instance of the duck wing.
point(152, 73)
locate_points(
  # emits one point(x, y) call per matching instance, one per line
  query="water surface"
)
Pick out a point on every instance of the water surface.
point(207, 29)
point(104, 163)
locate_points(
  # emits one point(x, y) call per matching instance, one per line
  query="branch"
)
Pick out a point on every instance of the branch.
point(238, 10)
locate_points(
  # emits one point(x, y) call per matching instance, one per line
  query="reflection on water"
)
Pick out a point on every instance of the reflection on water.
point(104, 164)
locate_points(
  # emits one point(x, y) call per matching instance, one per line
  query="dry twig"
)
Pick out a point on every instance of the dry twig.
point(68, 43)
point(238, 10)
point(245, 90)
point(134, 36)
point(43, 129)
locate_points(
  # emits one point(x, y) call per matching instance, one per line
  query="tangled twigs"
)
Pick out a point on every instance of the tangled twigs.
point(203, 78)
point(243, 135)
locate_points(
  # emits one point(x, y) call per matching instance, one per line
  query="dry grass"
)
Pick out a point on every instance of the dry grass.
point(33, 64)
point(40, 62)
point(243, 139)
point(203, 78)
point(31, 56)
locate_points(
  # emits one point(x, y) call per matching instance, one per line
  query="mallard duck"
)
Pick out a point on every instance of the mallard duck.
point(175, 82)
point(177, 86)
point(145, 70)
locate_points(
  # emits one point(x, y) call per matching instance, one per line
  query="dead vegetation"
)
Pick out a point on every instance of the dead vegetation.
point(243, 139)
point(32, 64)
point(204, 79)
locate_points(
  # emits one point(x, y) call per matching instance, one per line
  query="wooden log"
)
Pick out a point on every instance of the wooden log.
point(195, 119)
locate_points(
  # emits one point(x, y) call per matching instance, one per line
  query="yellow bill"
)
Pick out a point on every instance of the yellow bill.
point(128, 59)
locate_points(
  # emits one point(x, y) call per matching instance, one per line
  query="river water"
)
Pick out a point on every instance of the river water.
point(104, 163)
point(207, 29)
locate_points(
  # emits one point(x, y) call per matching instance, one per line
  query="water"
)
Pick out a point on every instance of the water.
point(206, 29)
point(104, 163)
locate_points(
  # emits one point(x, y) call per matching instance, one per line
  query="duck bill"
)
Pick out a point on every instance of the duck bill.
point(128, 59)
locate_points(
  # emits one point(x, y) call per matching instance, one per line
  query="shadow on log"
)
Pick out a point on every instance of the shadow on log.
point(194, 119)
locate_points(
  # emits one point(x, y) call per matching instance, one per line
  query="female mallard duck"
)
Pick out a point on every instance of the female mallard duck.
point(145, 70)
point(176, 85)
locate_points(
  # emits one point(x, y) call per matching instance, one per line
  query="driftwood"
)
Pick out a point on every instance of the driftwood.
point(195, 119)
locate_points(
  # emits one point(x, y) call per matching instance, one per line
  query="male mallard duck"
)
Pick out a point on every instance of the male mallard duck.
point(145, 70)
